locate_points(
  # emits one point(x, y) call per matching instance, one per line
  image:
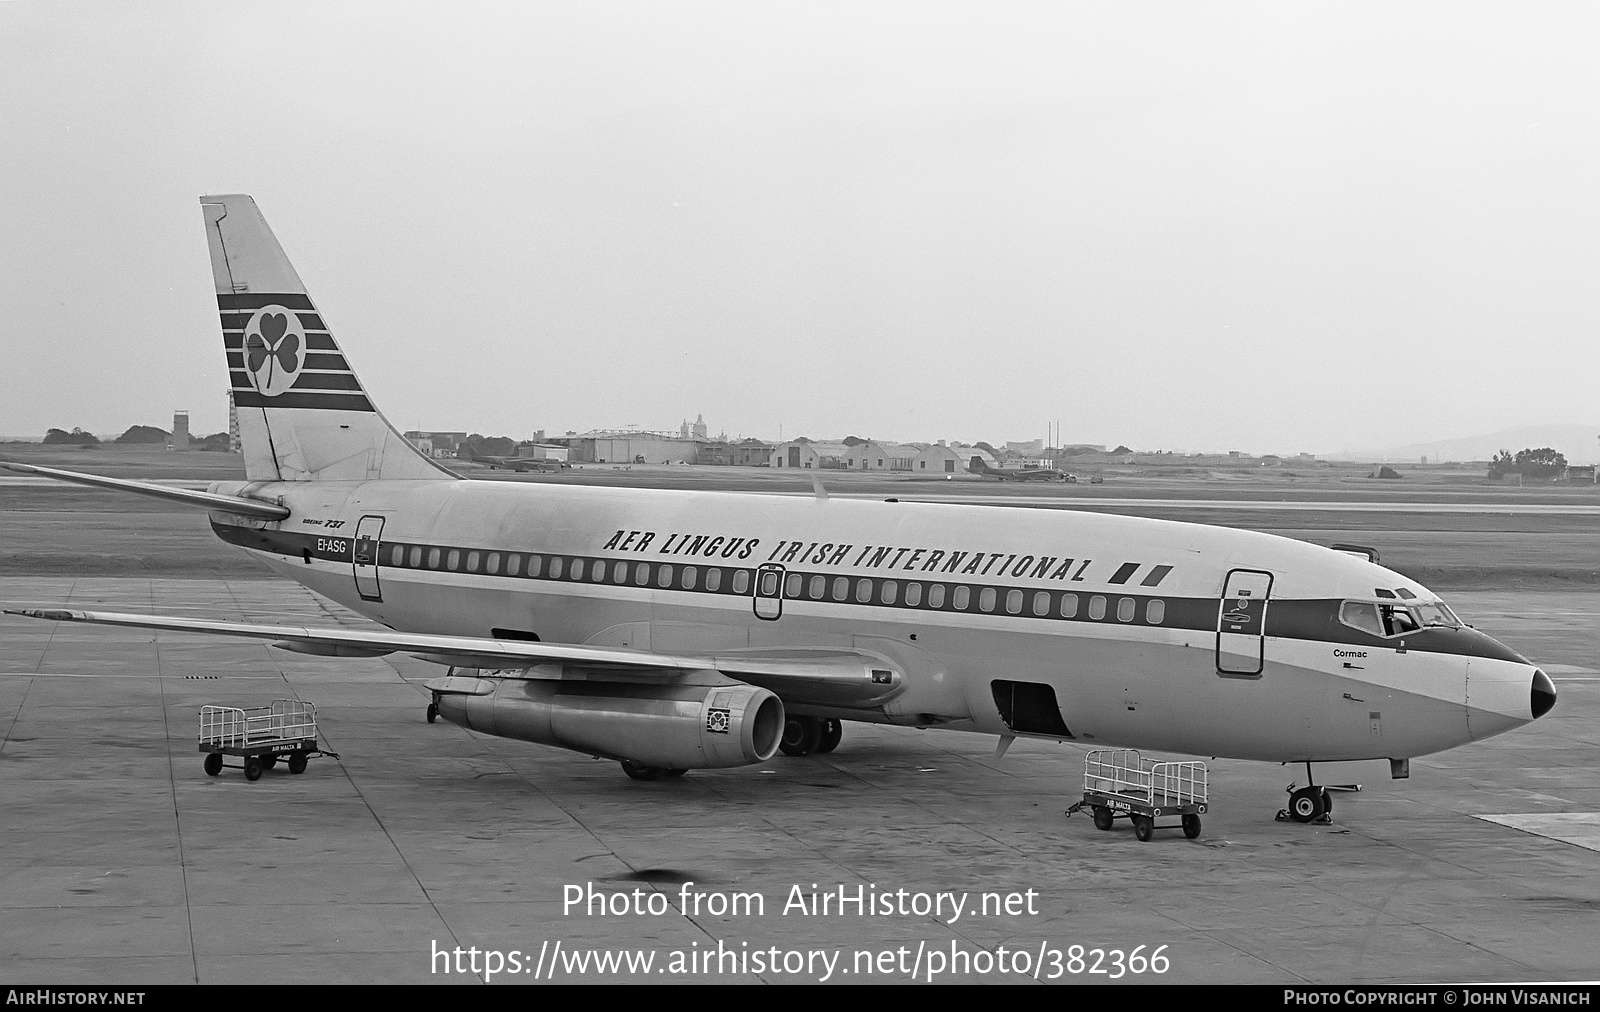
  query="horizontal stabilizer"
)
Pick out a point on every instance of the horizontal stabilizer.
point(258, 509)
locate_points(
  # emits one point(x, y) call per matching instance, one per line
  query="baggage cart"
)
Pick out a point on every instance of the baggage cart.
point(1120, 783)
point(261, 736)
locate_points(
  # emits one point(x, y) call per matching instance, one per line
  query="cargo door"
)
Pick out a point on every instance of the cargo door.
point(364, 558)
point(1241, 623)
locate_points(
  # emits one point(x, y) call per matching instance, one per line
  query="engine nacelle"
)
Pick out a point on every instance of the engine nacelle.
point(671, 726)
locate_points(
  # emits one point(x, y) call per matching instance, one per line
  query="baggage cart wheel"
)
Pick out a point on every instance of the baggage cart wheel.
point(268, 761)
point(832, 731)
point(213, 764)
point(252, 768)
point(1191, 826)
point(433, 712)
point(1144, 827)
point(1307, 804)
point(297, 762)
point(1102, 817)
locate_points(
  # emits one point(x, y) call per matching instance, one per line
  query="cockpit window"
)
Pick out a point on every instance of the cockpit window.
point(1396, 619)
point(1361, 615)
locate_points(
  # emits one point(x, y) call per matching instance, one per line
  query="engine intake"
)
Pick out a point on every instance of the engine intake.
point(669, 726)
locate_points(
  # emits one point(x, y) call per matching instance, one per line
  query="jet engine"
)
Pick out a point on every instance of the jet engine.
point(677, 727)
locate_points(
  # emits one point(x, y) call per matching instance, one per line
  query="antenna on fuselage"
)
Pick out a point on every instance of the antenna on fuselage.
point(816, 486)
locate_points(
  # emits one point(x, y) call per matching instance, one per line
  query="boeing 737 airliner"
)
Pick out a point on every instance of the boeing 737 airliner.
point(674, 630)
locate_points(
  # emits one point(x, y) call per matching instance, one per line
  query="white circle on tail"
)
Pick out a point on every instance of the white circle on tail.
point(274, 349)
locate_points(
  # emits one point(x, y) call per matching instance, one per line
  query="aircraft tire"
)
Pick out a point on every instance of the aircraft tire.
point(252, 768)
point(832, 732)
point(1144, 827)
point(1102, 817)
point(639, 771)
point(801, 736)
point(213, 764)
point(1307, 804)
point(297, 763)
point(1191, 826)
point(433, 712)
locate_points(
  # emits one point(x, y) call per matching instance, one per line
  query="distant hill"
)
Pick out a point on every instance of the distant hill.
point(1580, 444)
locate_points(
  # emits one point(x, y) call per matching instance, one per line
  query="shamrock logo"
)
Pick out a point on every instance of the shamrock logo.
point(272, 346)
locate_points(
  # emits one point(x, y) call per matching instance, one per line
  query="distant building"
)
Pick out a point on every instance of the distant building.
point(436, 444)
point(697, 431)
point(180, 431)
point(1581, 474)
point(744, 453)
point(1033, 447)
point(939, 459)
point(626, 446)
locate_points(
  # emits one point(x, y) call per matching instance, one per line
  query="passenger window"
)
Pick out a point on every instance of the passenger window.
point(863, 591)
point(959, 599)
point(535, 565)
point(819, 587)
point(416, 557)
point(713, 580)
point(1125, 609)
point(472, 562)
point(453, 560)
point(433, 558)
point(513, 564)
point(936, 596)
point(913, 594)
point(1364, 617)
point(689, 574)
point(664, 577)
point(1014, 602)
point(741, 581)
point(641, 574)
point(1041, 603)
point(891, 592)
point(619, 572)
point(576, 571)
point(792, 585)
point(397, 556)
point(1069, 605)
point(1155, 612)
point(491, 565)
point(554, 570)
point(1097, 607)
point(597, 570)
point(986, 599)
point(769, 584)
point(841, 588)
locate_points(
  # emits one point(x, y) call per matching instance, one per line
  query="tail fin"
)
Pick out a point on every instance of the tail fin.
point(303, 415)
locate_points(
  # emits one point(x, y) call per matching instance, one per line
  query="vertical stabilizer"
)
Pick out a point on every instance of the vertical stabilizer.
point(303, 414)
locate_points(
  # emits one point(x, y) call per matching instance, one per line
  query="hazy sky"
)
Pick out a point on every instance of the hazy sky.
point(1270, 227)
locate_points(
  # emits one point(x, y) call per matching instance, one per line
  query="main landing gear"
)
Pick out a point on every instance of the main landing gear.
point(805, 735)
point(639, 771)
point(1311, 803)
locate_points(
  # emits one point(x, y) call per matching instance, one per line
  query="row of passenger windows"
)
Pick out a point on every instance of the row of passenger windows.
point(556, 567)
point(796, 586)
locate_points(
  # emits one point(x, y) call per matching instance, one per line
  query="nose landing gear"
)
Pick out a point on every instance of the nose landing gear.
point(1309, 804)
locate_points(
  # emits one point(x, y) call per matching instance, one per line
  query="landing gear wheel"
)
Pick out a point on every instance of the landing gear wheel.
point(1191, 826)
point(801, 736)
point(213, 764)
point(268, 761)
point(675, 773)
point(433, 712)
point(639, 771)
point(252, 768)
point(297, 763)
point(832, 731)
point(1308, 804)
point(1144, 827)
point(1102, 817)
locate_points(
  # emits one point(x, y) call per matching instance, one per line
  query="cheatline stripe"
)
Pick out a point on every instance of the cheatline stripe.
point(1315, 620)
point(249, 398)
point(251, 301)
point(314, 342)
point(239, 321)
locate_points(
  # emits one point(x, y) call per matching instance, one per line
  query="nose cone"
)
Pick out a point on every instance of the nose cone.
point(1543, 695)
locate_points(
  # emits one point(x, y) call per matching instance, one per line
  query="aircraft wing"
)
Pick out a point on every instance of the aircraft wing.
point(822, 677)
